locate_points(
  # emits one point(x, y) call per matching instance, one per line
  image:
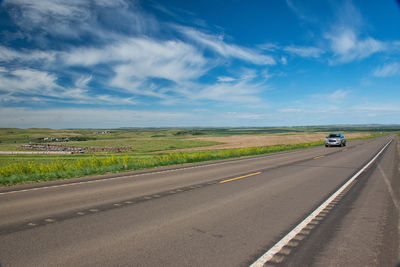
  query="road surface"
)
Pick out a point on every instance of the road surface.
point(226, 213)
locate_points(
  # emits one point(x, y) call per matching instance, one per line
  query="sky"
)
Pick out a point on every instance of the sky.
point(209, 63)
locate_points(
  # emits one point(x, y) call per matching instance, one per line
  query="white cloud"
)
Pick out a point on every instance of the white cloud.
point(53, 16)
point(28, 81)
point(304, 51)
point(302, 14)
point(269, 47)
point(291, 110)
point(34, 86)
point(76, 19)
point(167, 69)
point(136, 61)
point(225, 79)
point(347, 46)
point(217, 44)
point(143, 58)
point(9, 54)
point(387, 70)
point(83, 81)
point(242, 90)
point(342, 41)
point(338, 95)
point(345, 37)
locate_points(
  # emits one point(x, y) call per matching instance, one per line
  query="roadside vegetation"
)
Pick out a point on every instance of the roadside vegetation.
point(18, 169)
point(22, 172)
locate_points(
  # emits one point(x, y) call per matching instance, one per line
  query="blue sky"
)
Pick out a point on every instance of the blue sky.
point(120, 63)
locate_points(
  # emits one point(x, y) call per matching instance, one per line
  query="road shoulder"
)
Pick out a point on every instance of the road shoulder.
point(364, 229)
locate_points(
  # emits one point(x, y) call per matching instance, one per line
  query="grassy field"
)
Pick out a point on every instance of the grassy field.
point(43, 170)
point(141, 141)
point(17, 169)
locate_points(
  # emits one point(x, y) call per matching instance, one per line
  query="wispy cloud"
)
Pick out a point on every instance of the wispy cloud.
point(83, 81)
point(134, 62)
point(387, 70)
point(347, 46)
point(294, 50)
point(9, 54)
point(302, 51)
point(78, 19)
point(242, 90)
point(217, 44)
point(34, 86)
point(299, 12)
point(339, 95)
point(125, 63)
point(225, 79)
point(28, 81)
point(345, 38)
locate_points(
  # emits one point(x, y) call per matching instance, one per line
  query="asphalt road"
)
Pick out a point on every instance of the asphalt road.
point(226, 213)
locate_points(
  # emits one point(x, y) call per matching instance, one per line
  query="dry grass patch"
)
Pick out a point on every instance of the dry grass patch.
point(241, 141)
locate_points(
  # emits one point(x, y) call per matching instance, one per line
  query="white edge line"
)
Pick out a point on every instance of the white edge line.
point(285, 240)
point(141, 174)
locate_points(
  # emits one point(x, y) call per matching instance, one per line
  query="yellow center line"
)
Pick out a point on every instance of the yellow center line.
point(244, 176)
point(345, 149)
point(318, 157)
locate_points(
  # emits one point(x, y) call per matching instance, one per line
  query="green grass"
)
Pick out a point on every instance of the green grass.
point(33, 171)
point(141, 141)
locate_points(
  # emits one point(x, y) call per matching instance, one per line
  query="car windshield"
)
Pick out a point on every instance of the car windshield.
point(334, 135)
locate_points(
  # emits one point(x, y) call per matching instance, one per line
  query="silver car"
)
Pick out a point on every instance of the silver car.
point(335, 139)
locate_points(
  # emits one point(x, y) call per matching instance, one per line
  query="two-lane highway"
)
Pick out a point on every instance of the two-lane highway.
point(226, 213)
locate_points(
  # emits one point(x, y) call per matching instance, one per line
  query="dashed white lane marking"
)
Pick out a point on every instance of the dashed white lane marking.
point(143, 174)
point(286, 239)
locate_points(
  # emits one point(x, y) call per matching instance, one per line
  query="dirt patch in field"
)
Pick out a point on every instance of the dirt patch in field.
point(240, 141)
